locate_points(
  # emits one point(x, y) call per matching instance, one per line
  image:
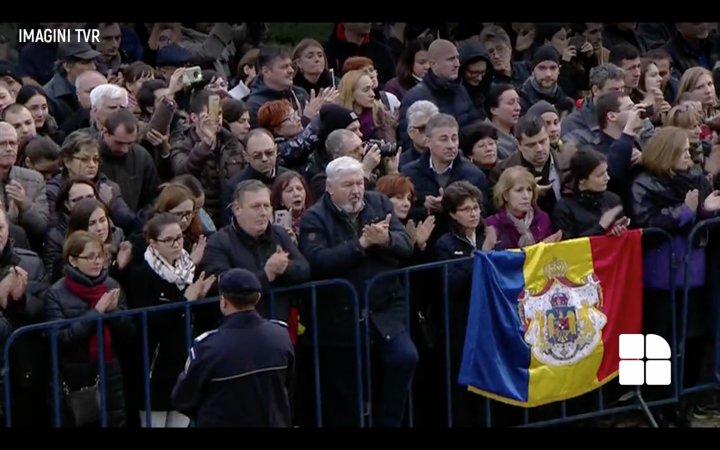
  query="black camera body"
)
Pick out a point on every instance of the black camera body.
point(387, 149)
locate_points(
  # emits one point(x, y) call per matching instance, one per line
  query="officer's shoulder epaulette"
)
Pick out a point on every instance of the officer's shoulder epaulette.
point(205, 335)
point(278, 322)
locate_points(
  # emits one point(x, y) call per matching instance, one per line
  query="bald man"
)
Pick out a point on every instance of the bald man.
point(441, 86)
point(22, 191)
point(84, 84)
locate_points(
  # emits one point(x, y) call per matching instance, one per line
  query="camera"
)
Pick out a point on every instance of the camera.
point(387, 149)
point(648, 112)
point(192, 75)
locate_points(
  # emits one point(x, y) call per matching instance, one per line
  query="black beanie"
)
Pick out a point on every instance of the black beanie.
point(545, 53)
point(335, 117)
point(540, 108)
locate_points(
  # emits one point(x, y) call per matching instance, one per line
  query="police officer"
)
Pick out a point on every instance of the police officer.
point(238, 375)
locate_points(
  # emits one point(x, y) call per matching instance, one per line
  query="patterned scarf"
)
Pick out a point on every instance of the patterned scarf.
point(181, 274)
point(523, 228)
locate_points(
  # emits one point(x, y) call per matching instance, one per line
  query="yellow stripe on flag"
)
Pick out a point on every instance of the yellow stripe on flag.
point(573, 261)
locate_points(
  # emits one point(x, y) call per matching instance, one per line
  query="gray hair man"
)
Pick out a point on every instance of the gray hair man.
point(354, 235)
point(418, 115)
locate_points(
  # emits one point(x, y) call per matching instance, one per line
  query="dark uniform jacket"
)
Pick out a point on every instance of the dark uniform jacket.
point(238, 375)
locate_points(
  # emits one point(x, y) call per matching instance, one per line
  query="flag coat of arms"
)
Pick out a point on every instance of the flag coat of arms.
point(544, 323)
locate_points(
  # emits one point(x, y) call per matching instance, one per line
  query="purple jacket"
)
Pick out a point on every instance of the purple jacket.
point(508, 235)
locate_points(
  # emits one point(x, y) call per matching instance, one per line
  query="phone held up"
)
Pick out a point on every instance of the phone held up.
point(282, 218)
point(214, 108)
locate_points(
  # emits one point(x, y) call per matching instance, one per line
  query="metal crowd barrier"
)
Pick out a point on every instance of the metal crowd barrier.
point(703, 225)
point(365, 416)
point(52, 329)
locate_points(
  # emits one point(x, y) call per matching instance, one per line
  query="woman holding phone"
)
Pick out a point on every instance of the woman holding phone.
point(290, 198)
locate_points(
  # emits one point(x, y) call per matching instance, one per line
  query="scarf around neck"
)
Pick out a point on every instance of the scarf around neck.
point(181, 274)
point(91, 290)
point(523, 228)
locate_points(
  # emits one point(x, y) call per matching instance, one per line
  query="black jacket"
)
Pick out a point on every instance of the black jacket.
point(248, 173)
point(684, 56)
point(25, 311)
point(338, 50)
point(238, 375)
point(472, 52)
point(578, 213)
point(134, 172)
point(424, 182)
point(77, 368)
point(231, 247)
point(260, 94)
point(529, 95)
point(329, 239)
point(613, 36)
point(166, 331)
point(450, 97)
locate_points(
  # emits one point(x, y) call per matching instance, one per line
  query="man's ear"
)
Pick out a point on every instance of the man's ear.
point(28, 163)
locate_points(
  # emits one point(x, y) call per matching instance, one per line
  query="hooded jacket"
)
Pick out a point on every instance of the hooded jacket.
point(338, 49)
point(472, 52)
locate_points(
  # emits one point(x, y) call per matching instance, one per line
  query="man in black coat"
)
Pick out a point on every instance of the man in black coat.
point(22, 287)
point(238, 375)
point(442, 86)
point(354, 235)
point(251, 242)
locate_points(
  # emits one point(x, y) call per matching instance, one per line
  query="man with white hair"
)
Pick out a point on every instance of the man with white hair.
point(84, 85)
point(354, 235)
point(418, 115)
point(104, 100)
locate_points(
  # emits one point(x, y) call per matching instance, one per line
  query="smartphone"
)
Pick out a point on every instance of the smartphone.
point(214, 108)
point(283, 218)
point(577, 41)
point(192, 75)
point(649, 111)
point(162, 116)
point(332, 77)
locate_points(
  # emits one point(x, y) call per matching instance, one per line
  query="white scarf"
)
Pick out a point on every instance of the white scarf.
point(181, 274)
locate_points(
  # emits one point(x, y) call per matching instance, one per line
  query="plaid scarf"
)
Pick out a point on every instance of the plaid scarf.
point(181, 274)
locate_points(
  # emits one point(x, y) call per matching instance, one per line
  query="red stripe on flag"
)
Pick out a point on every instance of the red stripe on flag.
point(618, 264)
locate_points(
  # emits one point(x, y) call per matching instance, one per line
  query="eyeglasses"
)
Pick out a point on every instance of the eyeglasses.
point(421, 128)
point(172, 240)
point(87, 159)
point(292, 117)
point(183, 214)
point(473, 208)
point(92, 257)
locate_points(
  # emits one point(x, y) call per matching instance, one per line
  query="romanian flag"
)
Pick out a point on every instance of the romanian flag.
point(544, 323)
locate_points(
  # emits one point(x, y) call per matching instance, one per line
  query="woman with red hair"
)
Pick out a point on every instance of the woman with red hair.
point(294, 144)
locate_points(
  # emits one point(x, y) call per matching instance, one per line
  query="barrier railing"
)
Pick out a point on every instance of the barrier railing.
point(602, 408)
point(53, 329)
point(699, 227)
point(564, 417)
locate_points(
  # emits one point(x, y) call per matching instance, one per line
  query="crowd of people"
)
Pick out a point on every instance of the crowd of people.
point(137, 171)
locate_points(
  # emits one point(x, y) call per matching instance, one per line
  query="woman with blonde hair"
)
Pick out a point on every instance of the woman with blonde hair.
point(364, 64)
point(311, 67)
point(698, 82)
point(673, 195)
point(357, 94)
point(689, 117)
point(519, 221)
